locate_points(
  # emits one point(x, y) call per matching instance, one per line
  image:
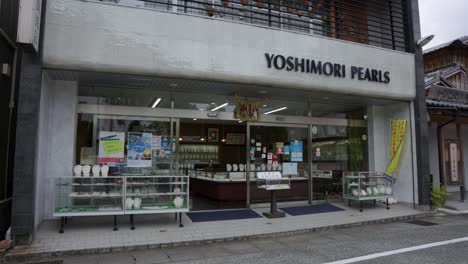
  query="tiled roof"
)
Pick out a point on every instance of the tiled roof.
point(461, 41)
point(441, 75)
point(434, 103)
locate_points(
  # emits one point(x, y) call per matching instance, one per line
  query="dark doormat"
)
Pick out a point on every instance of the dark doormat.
point(57, 261)
point(222, 215)
point(421, 223)
point(311, 209)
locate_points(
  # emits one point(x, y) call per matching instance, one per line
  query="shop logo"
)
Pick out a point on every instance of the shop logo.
point(289, 63)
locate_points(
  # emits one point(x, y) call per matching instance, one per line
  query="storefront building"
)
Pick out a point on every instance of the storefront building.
point(217, 92)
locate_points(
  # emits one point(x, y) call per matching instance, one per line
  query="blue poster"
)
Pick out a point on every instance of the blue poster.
point(139, 152)
point(296, 150)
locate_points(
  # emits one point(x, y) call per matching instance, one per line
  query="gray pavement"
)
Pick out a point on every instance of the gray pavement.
point(316, 247)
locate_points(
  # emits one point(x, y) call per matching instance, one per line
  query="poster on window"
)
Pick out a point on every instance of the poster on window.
point(139, 152)
point(296, 150)
point(111, 147)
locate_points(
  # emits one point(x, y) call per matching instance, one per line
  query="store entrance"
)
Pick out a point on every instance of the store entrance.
point(283, 148)
point(212, 153)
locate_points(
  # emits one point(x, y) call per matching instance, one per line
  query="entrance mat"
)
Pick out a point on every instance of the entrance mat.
point(311, 209)
point(222, 215)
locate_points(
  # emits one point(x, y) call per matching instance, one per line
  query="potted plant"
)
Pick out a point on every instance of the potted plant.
point(299, 12)
point(260, 4)
point(438, 195)
point(245, 2)
point(210, 10)
point(225, 3)
point(276, 4)
point(289, 5)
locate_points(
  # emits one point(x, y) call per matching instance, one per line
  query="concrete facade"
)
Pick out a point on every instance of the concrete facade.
point(81, 35)
point(58, 113)
point(93, 36)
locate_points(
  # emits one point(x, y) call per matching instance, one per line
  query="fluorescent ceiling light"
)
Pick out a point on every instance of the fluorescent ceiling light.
point(275, 110)
point(156, 103)
point(218, 107)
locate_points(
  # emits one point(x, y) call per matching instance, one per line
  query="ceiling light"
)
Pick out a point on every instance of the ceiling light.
point(240, 121)
point(264, 105)
point(218, 107)
point(156, 103)
point(223, 140)
point(202, 139)
point(180, 139)
point(275, 110)
point(194, 119)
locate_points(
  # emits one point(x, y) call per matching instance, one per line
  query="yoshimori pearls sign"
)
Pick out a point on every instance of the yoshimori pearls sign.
point(325, 68)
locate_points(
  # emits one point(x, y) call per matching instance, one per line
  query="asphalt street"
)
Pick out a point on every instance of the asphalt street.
point(351, 245)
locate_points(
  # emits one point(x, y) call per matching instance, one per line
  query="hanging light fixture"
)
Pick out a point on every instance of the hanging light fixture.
point(202, 138)
point(223, 139)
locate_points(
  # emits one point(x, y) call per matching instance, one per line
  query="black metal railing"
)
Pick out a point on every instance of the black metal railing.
point(381, 23)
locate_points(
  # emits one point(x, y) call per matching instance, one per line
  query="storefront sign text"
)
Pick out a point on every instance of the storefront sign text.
point(336, 70)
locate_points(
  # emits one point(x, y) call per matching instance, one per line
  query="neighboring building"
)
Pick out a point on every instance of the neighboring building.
point(8, 26)
point(226, 88)
point(447, 104)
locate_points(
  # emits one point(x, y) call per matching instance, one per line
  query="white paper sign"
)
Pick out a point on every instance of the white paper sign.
point(290, 168)
point(156, 142)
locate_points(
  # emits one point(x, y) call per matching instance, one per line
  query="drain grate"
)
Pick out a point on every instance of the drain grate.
point(56, 261)
point(421, 223)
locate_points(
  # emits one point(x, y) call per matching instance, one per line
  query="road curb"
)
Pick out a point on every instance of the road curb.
point(451, 211)
point(21, 257)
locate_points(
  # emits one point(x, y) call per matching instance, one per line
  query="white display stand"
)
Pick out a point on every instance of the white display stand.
point(273, 181)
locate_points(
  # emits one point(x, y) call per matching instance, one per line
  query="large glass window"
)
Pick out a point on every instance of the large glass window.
point(127, 145)
point(339, 149)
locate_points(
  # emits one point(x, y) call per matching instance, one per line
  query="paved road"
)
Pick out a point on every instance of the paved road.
point(320, 247)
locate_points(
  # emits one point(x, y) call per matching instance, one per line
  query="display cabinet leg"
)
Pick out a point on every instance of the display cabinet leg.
point(132, 222)
point(62, 223)
point(115, 223)
point(387, 204)
point(360, 205)
point(176, 216)
point(375, 202)
point(349, 203)
point(180, 220)
point(66, 220)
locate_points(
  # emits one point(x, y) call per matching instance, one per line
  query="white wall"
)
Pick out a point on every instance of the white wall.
point(82, 35)
point(376, 127)
point(56, 140)
point(379, 127)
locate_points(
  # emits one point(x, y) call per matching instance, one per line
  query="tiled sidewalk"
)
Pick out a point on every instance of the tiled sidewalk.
point(95, 235)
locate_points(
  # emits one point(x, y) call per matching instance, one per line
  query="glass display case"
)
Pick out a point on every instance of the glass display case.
point(364, 186)
point(156, 194)
point(77, 196)
point(120, 195)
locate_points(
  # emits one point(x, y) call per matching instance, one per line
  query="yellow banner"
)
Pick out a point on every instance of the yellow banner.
point(396, 145)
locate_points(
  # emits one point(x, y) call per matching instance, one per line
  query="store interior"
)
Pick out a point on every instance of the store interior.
point(216, 150)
